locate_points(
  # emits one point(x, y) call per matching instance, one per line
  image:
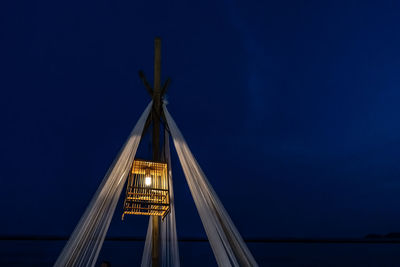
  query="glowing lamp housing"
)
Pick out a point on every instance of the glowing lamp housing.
point(147, 190)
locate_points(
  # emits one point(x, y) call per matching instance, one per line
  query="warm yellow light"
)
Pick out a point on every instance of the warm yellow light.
point(147, 191)
point(147, 180)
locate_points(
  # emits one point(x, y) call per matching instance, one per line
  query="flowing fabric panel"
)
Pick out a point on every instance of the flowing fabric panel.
point(169, 237)
point(168, 233)
point(83, 247)
point(227, 244)
point(146, 258)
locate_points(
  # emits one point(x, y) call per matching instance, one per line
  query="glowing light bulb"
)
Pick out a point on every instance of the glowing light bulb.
point(147, 180)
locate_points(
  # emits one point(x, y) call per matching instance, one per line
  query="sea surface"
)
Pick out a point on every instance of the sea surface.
point(128, 253)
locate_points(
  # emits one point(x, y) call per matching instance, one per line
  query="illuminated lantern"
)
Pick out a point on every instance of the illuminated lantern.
point(147, 191)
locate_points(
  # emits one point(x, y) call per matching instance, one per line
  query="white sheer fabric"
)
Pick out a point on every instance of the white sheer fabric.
point(227, 244)
point(168, 233)
point(83, 247)
point(146, 258)
point(169, 237)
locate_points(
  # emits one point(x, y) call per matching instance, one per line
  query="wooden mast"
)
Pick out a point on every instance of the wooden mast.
point(156, 115)
point(156, 93)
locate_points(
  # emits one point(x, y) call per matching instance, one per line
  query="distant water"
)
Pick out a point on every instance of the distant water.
point(119, 253)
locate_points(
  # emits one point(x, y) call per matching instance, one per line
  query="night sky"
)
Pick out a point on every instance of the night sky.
point(290, 107)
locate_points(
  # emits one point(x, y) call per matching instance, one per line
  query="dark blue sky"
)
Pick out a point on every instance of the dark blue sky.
point(291, 107)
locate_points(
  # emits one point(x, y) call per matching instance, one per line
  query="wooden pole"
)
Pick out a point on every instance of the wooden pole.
point(156, 143)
